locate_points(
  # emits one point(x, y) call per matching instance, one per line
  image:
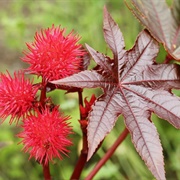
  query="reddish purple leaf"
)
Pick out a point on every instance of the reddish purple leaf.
point(162, 21)
point(134, 86)
point(113, 36)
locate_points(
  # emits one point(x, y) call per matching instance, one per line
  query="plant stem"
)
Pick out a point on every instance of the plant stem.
point(80, 165)
point(46, 171)
point(168, 59)
point(43, 94)
point(109, 153)
point(80, 97)
point(83, 156)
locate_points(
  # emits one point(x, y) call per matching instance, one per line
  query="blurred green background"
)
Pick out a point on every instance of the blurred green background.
point(19, 20)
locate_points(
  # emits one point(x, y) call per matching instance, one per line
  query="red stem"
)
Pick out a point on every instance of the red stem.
point(83, 156)
point(80, 165)
point(43, 94)
point(80, 100)
point(168, 59)
point(46, 171)
point(109, 153)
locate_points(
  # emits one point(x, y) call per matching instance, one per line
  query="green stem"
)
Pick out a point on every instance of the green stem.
point(46, 171)
point(109, 153)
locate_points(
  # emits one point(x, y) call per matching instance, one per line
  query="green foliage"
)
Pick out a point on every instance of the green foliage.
point(19, 21)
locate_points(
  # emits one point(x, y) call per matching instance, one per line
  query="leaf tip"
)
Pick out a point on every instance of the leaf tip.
point(105, 9)
point(87, 46)
point(106, 14)
point(90, 153)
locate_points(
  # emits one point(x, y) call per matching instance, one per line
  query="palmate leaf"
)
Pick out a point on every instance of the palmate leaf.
point(134, 86)
point(162, 21)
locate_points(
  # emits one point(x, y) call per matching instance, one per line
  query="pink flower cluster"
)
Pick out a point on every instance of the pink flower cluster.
point(17, 96)
point(53, 55)
point(46, 134)
point(46, 131)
